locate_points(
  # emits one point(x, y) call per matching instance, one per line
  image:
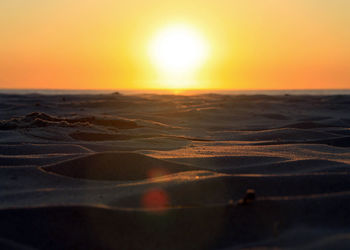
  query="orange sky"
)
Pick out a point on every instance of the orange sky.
point(270, 44)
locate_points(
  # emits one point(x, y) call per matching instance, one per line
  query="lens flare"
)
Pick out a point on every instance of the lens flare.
point(155, 199)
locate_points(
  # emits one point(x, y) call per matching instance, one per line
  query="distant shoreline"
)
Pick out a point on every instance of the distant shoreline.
point(180, 92)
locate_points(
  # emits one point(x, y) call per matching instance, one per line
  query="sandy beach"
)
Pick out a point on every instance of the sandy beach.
point(113, 171)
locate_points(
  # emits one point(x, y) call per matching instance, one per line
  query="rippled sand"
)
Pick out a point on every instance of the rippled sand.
point(172, 172)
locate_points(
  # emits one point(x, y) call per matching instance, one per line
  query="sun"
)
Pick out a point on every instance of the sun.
point(178, 50)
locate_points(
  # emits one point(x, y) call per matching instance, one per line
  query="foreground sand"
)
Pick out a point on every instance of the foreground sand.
point(170, 172)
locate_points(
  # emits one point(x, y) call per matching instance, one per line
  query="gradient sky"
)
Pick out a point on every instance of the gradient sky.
point(269, 44)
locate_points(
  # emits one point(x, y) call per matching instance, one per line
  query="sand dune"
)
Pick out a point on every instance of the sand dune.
point(172, 172)
point(35, 149)
point(116, 166)
point(38, 119)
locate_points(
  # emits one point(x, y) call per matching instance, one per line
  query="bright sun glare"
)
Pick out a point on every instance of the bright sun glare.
point(178, 50)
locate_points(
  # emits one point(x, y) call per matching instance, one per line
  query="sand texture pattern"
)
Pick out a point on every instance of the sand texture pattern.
point(148, 171)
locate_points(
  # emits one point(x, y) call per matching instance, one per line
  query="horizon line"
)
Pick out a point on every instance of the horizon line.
point(174, 89)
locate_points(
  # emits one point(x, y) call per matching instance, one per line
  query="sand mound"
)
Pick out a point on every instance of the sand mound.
point(343, 142)
point(345, 131)
point(192, 193)
point(308, 125)
point(116, 123)
point(87, 136)
point(38, 120)
point(292, 166)
point(281, 134)
point(223, 189)
point(116, 166)
point(37, 149)
point(220, 163)
point(29, 160)
point(337, 142)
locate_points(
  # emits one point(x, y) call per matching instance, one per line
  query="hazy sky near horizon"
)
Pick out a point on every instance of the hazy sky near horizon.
point(255, 44)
